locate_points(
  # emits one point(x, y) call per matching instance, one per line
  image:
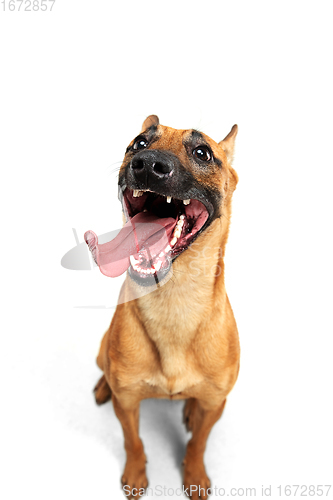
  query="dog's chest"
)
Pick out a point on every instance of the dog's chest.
point(176, 369)
point(177, 374)
point(172, 320)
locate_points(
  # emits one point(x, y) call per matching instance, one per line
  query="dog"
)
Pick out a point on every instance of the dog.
point(178, 339)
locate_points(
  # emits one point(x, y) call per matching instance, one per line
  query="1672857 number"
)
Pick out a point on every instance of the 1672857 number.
point(27, 5)
point(303, 490)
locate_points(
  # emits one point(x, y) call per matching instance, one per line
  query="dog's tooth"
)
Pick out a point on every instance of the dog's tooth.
point(133, 261)
point(167, 249)
point(137, 193)
point(157, 265)
point(178, 229)
point(161, 254)
point(187, 202)
point(169, 198)
point(173, 241)
point(182, 217)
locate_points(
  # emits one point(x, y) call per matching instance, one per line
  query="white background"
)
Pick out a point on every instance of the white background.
point(76, 84)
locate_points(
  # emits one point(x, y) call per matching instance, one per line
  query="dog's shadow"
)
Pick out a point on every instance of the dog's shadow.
point(161, 421)
point(162, 428)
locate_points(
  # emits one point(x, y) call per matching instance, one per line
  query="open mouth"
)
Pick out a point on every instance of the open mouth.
point(180, 221)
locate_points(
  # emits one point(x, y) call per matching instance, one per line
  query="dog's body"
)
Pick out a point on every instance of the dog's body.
point(181, 340)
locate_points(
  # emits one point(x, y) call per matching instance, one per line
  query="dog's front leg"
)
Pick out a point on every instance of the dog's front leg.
point(200, 419)
point(134, 478)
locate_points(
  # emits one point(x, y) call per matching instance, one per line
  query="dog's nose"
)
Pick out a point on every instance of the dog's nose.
point(152, 163)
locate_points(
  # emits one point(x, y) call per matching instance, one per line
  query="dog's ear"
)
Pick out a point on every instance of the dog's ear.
point(232, 180)
point(228, 143)
point(228, 146)
point(149, 122)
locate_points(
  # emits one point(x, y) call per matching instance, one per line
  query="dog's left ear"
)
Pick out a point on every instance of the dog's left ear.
point(149, 122)
point(228, 143)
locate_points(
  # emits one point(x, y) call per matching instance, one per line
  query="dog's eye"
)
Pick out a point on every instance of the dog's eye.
point(203, 153)
point(140, 143)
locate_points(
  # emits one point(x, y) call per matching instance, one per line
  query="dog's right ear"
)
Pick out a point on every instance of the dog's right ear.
point(149, 122)
point(228, 143)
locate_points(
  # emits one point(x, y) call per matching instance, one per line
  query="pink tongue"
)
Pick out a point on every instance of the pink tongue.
point(143, 231)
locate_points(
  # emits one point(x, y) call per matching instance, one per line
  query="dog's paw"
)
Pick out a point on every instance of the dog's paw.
point(134, 479)
point(102, 391)
point(196, 482)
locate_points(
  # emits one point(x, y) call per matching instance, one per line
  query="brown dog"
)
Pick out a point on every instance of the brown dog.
point(181, 340)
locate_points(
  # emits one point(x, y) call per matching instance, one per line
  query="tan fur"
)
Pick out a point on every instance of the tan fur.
point(180, 341)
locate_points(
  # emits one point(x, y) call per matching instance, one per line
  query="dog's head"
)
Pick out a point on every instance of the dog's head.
point(175, 174)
